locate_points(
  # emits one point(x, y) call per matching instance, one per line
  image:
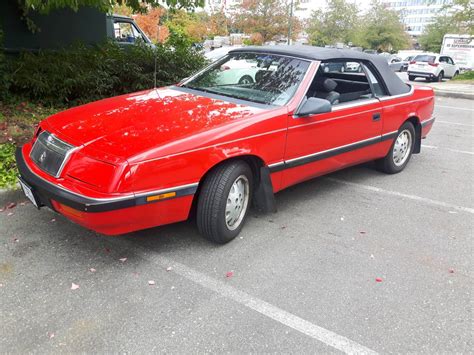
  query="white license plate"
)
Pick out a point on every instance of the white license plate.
point(28, 193)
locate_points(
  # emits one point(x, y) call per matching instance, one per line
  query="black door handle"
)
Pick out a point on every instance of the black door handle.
point(376, 117)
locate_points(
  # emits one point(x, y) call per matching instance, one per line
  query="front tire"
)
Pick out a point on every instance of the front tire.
point(224, 201)
point(439, 78)
point(400, 151)
point(246, 80)
point(411, 77)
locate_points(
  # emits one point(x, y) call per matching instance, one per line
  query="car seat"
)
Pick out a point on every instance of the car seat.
point(324, 89)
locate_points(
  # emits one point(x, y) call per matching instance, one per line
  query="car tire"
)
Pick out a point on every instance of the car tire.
point(245, 80)
point(400, 151)
point(455, 74)
point(224, 201)
point(440, 76)
point(411, 77)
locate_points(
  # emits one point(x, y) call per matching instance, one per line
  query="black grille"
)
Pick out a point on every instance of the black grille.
point(50, 153)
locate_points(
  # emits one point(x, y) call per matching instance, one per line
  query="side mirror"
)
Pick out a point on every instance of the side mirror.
point(313, 106)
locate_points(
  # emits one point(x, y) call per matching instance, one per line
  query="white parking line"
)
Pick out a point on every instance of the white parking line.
point(455, 108)
point(454, 123)
point(451, 150)
point(290, 320)
point(402, 195)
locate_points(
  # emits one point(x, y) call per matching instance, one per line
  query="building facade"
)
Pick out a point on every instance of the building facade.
point(417, 14)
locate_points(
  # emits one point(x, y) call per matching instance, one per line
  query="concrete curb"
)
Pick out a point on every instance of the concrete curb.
point(454, 95)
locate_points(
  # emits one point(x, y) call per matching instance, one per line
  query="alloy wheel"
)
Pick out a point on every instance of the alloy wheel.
point(237, 202)
point(402, 147)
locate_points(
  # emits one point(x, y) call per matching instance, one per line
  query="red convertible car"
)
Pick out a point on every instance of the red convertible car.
point(213, 144)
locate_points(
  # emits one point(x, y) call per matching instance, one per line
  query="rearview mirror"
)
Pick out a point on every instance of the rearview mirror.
point(313, 106)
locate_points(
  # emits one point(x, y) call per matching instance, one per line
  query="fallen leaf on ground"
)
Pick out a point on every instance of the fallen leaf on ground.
point(53, 220)
point(123, 260)
point(451, 271)
point(362, 232)
point(11, 205)
point(74, 286)
point(378, 279)
point(10, 214)
point(151, 282)
point(50, 335)
point(169, 268)
point(107, 250)
point(15, 240)
point(92, 269)
point(229, 274)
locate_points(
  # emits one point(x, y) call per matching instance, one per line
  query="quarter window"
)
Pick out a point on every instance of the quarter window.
point(343, 81)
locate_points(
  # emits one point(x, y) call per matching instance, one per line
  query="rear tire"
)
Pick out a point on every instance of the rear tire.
point(224, 201)
point(246, 80)
point(400, 151)
point(411, 77)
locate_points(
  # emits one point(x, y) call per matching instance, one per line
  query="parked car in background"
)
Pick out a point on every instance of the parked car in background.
point(406, 62)
point(211, 147)
point(125, 31)
point(394, 62)
point(218, 53)
point(432, 67)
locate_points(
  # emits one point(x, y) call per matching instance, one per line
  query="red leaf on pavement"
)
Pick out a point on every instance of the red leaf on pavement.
point(378, 279)
point(11, 205)
point(74, 286)
point(229, 274)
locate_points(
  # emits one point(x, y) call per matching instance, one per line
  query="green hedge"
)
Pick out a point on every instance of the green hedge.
point(82, 74)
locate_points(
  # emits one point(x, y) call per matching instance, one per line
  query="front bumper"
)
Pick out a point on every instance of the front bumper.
point(114, 215)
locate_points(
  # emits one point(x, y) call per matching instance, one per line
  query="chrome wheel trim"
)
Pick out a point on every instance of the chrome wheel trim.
point(237, 202)
point(402, 147)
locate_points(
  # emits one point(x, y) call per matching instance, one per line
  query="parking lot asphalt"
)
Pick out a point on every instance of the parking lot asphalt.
point(357, 261)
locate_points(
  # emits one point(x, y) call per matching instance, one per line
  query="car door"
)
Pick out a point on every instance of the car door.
point(447, 67)
point(321, 143)
point(453, 67)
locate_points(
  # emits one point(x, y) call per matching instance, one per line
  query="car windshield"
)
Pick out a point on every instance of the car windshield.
point(261, 78)
point(425, 58)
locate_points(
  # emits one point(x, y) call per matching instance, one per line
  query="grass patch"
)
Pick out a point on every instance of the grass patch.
point(17, 123)
point(469, 75)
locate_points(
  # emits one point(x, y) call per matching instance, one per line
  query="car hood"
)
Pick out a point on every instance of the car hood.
point(128, 125)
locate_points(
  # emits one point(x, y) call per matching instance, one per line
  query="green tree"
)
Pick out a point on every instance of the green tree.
point(457, 17)
point(268, 18)
point(334, 24)
point(381, 29)
point(432, 37)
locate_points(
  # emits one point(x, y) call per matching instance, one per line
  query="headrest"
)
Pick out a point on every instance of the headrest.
point(325, 84)
point(329, 85)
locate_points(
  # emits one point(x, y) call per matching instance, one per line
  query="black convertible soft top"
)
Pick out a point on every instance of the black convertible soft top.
point(393, 83)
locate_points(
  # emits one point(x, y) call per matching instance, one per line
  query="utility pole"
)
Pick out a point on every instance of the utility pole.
point(290, 22)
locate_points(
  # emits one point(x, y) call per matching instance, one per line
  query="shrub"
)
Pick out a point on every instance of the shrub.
point(8, 172)
point(81, 74)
